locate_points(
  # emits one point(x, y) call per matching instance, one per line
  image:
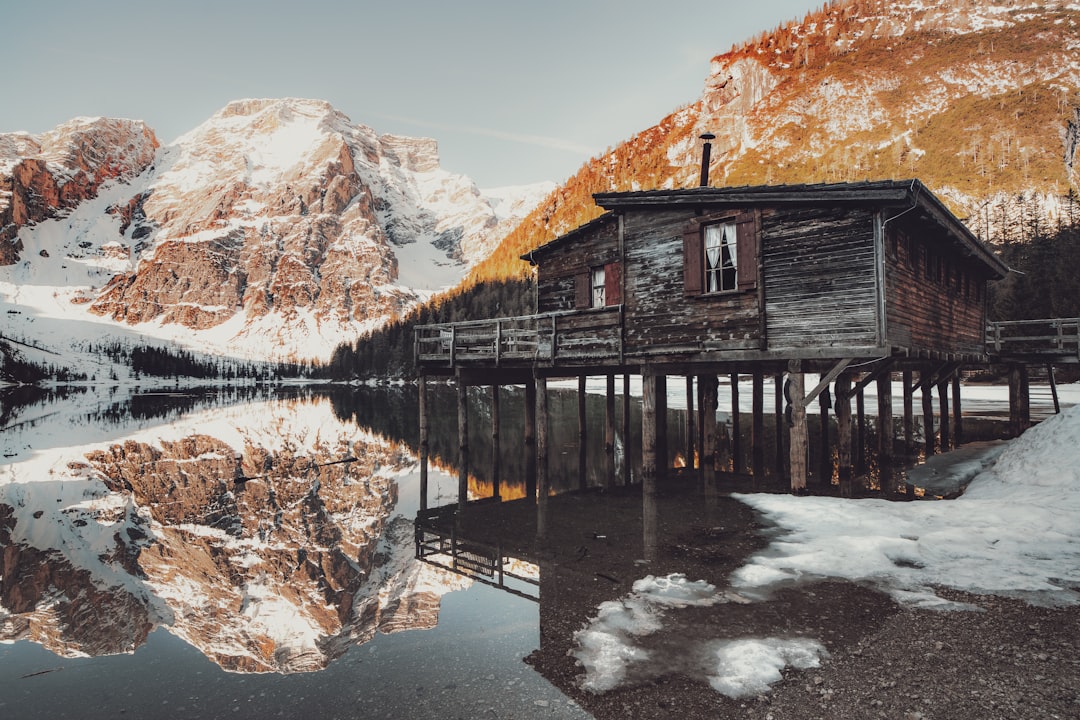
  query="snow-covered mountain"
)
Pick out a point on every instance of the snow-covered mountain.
point(274, 230)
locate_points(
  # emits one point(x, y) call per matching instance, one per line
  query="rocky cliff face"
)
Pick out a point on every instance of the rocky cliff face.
point(47, 175)
point(281, 572)
point(276, 229)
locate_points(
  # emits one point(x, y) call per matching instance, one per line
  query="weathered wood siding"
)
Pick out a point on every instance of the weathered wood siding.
point(559, 266)
point(819, 272)
point(659, 317)
point(935, 300)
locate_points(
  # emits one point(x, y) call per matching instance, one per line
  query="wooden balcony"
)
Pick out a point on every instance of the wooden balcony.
point(1047, 340)
point(556, 338)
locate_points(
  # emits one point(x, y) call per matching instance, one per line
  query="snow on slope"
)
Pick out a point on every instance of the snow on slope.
point(275, 230)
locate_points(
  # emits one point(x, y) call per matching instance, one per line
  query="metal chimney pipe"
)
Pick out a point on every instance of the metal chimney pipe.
point(706, 151)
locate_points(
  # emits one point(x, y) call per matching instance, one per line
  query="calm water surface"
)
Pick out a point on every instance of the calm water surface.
point(207, 554)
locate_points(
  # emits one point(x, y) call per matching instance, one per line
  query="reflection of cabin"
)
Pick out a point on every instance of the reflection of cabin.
point(878, 276)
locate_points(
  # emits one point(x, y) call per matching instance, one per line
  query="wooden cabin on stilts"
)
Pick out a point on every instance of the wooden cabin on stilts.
point(826, 289)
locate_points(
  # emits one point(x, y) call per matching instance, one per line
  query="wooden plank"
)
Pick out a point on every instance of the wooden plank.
point(885, 420)
point(690, 460)
point(736, 426)
point(496, 453)
point(649, 424)
point(425, 447)
point(609, 432)
point(842, 404)
point(757, 427)
point(799, 444)
point(583, 480)
point(627, 435)
point(463, 443)
point(926, 382)
point(530, 439)
point(543, 483)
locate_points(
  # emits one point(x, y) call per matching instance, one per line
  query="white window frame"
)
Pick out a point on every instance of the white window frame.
point(597, 293)
point(721, 260)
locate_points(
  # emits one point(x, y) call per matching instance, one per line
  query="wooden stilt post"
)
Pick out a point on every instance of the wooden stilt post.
point(709, 403)
point(530, 439)
point(1019, 403)
point(957, 411)
point(543, 484)
point(842, 404)
point(860, 432)
point(582, 425)
point(736, 430)
point(798, 459)
point(885, 423)
point(1053, 387)
point(825, 464)
point(496, 450)
point(757, 427)
point(690, 464)
point(609, 432)
point(650, 391)
point(778, 423)
point(909, 413)
point(463, 441)
point(701, 421)
point(661, 428)
point(943, 414)
point(628, 475)
point(424, 444)
point(926, 380)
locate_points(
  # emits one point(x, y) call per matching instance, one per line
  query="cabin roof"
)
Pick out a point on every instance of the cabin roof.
point(903, 195)
point(580, 230)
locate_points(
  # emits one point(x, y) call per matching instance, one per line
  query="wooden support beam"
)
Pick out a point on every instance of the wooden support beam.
point(582, 425)
point(661, 428)
point(609, 432)
point(736, 426)
point(709, 404)
point(943, 414)
point(885, 419)
point(463, 442)
point(425, 447)
point(690, 463)
point(779, 424)
point(650, 391)
point(909, 413)
point(826, 379)
point(496, 450)
point(799, 444)
point(1019, 401)
point(530, 439)
point(628, 475)
point(957, 411)
point(825, 464)
point(842, 404)
point(927, 410)
point(543, 484)
point(757, 427)
point(860, 429)
point(1053, 386)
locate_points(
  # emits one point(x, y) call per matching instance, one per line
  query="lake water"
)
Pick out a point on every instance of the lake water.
point(244, 554)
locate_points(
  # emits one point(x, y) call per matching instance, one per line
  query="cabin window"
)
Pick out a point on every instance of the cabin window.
point(721, 257)
point(598, 287)
point(597, 284)
point(720, 254)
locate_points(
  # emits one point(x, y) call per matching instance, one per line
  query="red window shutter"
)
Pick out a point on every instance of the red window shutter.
point(613, 283)
point(693, 274)
point(582, 291)
point(746, 245)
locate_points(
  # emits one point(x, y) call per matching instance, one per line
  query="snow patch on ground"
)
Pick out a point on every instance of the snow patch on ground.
point(1014, 531)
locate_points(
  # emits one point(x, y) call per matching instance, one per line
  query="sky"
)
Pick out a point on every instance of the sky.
point(515, 92)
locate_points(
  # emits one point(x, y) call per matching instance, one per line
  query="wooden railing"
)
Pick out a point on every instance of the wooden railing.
point(1049, 339)
point(554, 337)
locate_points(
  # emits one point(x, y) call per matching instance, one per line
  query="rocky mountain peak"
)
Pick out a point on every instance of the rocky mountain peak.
point(419, 155)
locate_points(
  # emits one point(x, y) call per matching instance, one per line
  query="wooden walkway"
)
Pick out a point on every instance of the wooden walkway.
point(1052, 340)
point(573, 337)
